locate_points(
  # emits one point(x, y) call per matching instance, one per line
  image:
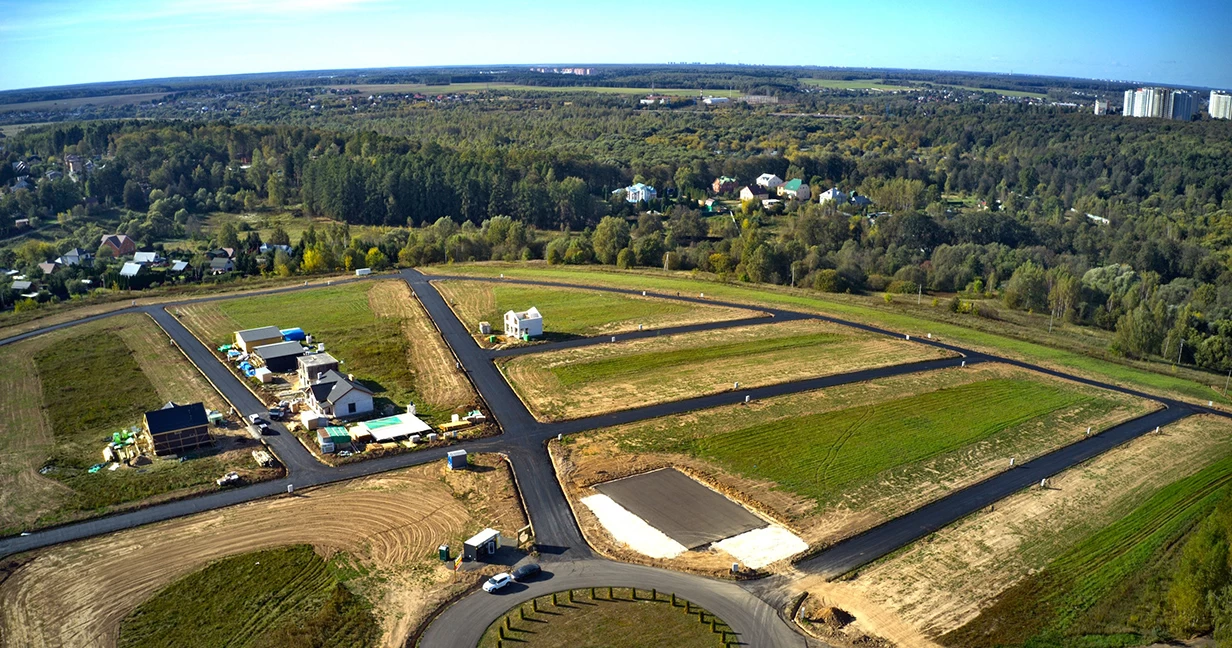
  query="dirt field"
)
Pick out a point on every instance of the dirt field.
point(76, 595)
point(941, 583)
point(437, 377)
point(26, 436)
point(590, 458)
point(575, 383)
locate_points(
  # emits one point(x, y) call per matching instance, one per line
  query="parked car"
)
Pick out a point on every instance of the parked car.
point(229, 479)
point(256, 419)
point(277, 413)
point(497, 582)
point(525, 572)
point(266, 430)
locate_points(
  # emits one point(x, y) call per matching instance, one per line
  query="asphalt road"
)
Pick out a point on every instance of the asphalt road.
point(563, 549)
point(759, 625)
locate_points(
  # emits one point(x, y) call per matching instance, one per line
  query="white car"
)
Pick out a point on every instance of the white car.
point(497, 582)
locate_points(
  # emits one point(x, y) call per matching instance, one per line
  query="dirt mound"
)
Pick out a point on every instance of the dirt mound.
point(834, 618)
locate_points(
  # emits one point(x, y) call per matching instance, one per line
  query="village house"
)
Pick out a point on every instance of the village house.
point(175, 429)
point(769, 181)
point(76, 256)
point(131, 269)
point(528, 323)
point(311, 367)
point(148, 258)
point(221, 265)
point(49, 267)
point(832, 194)
point(795, 189)
point(723, 184)
point(638, 192)
point(119, 244)
point(753, 192)
point(339, 396)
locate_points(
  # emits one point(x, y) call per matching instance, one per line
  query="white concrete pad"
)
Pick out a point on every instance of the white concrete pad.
point(760, 547)
point(632, 530)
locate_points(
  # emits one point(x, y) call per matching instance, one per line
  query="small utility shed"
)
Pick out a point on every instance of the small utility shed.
point(329, 438)
point(249, 339)
point(281, 356)
point(315, 365)
point(481, 544)
point(175, 429)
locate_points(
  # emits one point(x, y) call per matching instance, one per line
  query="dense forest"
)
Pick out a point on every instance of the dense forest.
point(1122, 224)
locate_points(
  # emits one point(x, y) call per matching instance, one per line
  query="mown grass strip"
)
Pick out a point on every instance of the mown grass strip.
point(820, 456)
point(631, 365)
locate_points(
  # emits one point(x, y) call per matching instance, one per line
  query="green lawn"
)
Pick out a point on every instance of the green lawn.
point(1008, 93)
point(1106, 590)
point(628, 366)
point(610, 618)
point(372, 348)
point(854, 84)
point(820, 456)
point(265, 599)
point(1029, 351)
point(567, 312)
point(92, 386)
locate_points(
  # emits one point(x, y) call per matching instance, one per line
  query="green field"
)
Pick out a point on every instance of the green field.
point(265, 599)
point(821, 456)
point(1108, 589)
point(1012, 347)
point(407, 88)
point(608, 617)
point(92, 386)
point(372, 348)
point(1007, 93)
point(570, 313)
point(78, 102)
point(854, 84)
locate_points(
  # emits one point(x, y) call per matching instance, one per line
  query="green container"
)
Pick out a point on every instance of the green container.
point(443, 552)
point(491, 338)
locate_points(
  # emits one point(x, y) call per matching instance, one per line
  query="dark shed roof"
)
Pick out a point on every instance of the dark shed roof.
point(279, 350)
point(176, 417)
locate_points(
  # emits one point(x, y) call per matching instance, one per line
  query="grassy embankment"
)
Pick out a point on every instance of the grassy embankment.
point(574, 383)
point(277, 597)
point(373, 347)
point(613, 617)
point(1108, 589)
point(1185, 384)
point(64, 393)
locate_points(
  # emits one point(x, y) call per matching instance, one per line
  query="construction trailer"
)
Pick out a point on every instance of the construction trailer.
point(176, 429)
point(484, 543)
point(456, 459)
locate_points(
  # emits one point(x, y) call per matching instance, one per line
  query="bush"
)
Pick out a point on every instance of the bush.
point(876, 282)
point(900, 287)
point(829, 281)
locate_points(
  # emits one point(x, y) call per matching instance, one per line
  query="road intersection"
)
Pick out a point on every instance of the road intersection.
point(562, 547)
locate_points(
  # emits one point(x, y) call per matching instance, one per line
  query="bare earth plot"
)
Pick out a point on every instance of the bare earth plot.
point(939, 584)
point(829, 464)
point(77, 594)
point(575, 383)
point(570, 312)
point(29, 438)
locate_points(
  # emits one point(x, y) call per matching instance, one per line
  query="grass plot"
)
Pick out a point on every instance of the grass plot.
point(298, 597)
point(575, 383)
point(570, 312)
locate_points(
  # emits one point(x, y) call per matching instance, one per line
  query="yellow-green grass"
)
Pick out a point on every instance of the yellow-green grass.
point(61, 397)
point(410, 88)
point(278, 597)
point(574, 383)
point(1133, 376)
point(77, 102)
point(1107, 589)
point(1008, 93)
point(612, 617)
point(854, 84)
point(569, 313)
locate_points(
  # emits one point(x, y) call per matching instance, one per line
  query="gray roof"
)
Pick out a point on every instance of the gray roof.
point(176, 417)
point(220, 263)
point(146, 257)
point(317, 359)
point(262, 333)
point(179, 266)
point(279, 350)
point(22, 285)
point(130, 269)
point(333, 386)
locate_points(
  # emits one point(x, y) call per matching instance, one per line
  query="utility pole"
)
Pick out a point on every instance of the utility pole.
point(920, 288)
point(1051, 313)
point(1180, 351)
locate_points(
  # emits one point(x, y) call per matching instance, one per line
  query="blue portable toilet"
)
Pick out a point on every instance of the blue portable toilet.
point(456, 459)
point(293, 334)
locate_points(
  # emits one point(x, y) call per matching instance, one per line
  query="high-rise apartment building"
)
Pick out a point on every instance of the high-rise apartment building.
point(1221, 105)
point(1101, 107)
point(1161, 103)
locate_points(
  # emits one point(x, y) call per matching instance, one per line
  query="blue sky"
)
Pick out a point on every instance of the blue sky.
point(56, 42)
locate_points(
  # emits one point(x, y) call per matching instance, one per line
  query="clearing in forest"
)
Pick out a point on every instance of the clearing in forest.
point(576, 383)
point(569, 312)
point(828, 464)
point(77, 594)
point(64, 392)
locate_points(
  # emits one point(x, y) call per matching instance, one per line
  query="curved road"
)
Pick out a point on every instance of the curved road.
point(564, 550)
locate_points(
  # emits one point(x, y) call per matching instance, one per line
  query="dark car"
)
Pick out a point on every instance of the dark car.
point(266, 430)
point(525, 572)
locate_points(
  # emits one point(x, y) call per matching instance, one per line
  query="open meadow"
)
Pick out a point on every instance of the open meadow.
point(379, 533)
point(575, 383)
point(78, 102)
point(903, 315)
point(458, 88)
point(831, 463)
point(1097, 532)
point(570, 312)
point(616, 617)
point(855, 84)
point(63, 394)
point(376, 330)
